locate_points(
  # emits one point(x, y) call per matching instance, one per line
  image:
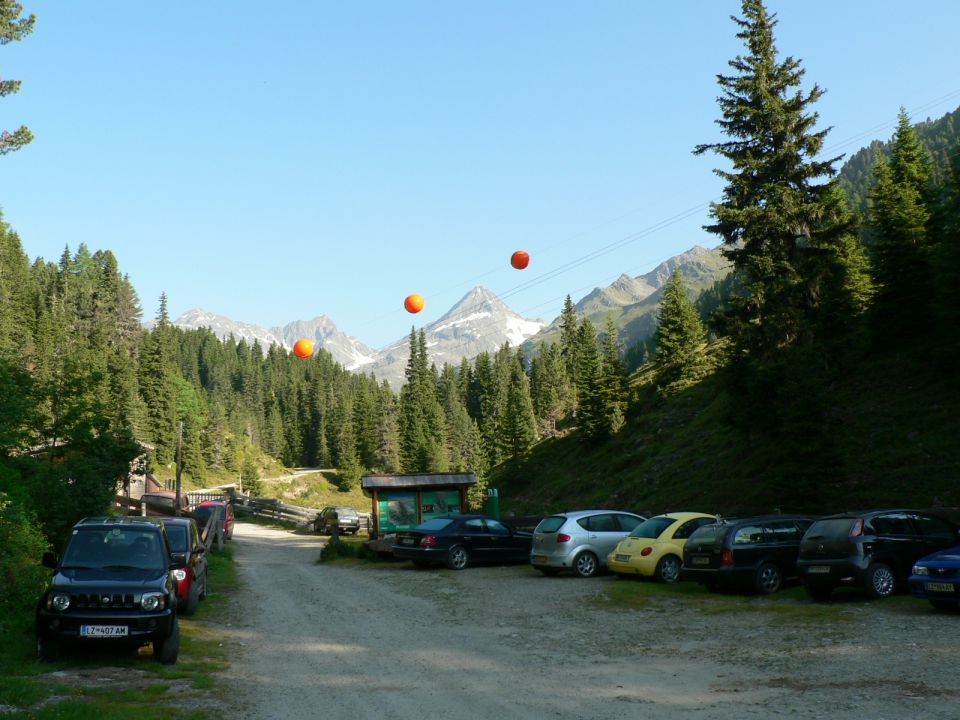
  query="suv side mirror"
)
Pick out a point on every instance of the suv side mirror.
point(49, 559)
point(178, 561)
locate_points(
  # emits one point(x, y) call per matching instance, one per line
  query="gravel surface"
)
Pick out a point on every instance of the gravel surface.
point(504, 642)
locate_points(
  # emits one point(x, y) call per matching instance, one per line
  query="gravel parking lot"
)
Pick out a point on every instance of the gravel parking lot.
point(504, 642)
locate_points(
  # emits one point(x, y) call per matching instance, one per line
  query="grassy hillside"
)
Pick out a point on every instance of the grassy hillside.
point(894, 425)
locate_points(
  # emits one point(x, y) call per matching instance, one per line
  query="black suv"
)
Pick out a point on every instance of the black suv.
point(873, 549)
point(115, 584)
point(757, 553)
point(342, 516)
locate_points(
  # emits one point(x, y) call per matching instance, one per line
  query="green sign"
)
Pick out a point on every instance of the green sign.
point(439, 502)
point(398, 511)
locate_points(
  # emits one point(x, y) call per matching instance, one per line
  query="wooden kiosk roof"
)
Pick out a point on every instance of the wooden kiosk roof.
point(412, 480)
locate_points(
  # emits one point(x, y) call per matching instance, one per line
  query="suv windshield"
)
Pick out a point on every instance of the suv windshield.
point(114, 549)
point(652, 528)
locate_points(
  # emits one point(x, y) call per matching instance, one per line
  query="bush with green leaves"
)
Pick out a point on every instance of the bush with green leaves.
point(21, 574)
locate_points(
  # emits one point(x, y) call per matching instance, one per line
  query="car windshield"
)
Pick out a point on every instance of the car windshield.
point(114, 549)
point(177, 535)
point(551, 524)
point(652, 528)
point(832, 529)
point(435, 524)
point(345, 511)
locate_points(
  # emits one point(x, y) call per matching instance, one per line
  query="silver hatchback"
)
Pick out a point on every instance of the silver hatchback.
point(579, 541)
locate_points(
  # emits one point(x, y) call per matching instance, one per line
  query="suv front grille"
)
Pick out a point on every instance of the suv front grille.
point(102, 601)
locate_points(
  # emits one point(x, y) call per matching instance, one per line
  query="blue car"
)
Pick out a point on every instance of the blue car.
point(936, 578)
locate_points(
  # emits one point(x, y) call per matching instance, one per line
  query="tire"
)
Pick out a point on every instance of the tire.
point(881, 581)
point(167, 649)
point(820, 593)
point(48, 650)
point(586, 565)
point(668, 569)
point(193, 600)
point(549, 571)
point(768, 579)
point(458, 558)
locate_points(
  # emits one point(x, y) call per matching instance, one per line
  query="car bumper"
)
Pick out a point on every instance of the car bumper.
point(635, 565)
point(934, 588)
point(831, 573)
point(554, 559)
point(140, 627)
point(420, 554)
point(719, 577)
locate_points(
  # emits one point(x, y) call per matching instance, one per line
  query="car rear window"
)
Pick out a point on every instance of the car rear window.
point(435, 524)
point(832, 529)
point(551, 524)
point(652, 528)
point(708, 534)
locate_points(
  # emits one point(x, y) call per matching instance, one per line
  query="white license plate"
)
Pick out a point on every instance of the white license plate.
point(103, 630)
point(622, 558)
point(699, 560)
point(406, 541)
point(938, 587)
point(819, 569)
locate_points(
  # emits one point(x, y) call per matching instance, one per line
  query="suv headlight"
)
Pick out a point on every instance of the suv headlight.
point(153, 601)
point(920, 570)
point(59, 602)
point(180, 575)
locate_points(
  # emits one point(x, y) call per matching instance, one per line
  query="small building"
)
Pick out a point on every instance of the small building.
point(403, 501)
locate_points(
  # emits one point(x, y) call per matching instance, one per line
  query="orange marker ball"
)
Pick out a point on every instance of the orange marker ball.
point(414, 303)
point(303, 348)
point(520, 259)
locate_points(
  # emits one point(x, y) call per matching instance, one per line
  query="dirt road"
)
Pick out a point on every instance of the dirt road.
point(321, 641)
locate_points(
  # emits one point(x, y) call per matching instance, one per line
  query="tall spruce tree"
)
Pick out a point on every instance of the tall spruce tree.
point(591, 418)
point(612, 378)
point(900, 217)
point(681, 337)
point(779, 227)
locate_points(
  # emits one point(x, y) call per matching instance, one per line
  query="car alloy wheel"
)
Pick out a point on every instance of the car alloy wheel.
point(769, 578)
point(457, 558)
point(668, 569)
point(880, 581)
point(586, 564)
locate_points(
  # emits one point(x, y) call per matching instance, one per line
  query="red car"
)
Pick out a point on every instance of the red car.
point(203, 511)
point(183, 536)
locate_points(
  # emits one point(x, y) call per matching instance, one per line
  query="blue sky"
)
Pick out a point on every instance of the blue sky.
point(277, 161)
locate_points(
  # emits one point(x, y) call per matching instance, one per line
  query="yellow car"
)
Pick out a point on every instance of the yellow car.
point(655, 547)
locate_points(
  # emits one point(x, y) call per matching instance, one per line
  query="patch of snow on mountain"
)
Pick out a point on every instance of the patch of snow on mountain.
point(518, 329)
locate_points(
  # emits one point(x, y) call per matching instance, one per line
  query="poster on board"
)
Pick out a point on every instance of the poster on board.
point(398, 511)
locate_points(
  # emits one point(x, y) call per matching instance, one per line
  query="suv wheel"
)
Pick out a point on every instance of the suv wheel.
point(668, 569)
point(768, 579)
point(458, 558)
point(586, 565)
point(880, 581)
point(167, 649)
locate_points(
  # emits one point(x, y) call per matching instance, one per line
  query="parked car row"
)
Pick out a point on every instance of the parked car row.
point(127, 580)
point(881, 551)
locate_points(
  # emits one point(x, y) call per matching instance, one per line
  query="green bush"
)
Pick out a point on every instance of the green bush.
point(22, 575)
point(342, 549)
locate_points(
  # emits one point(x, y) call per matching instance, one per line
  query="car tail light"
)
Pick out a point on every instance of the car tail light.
point(857, 529)
point(428, 541)
point(726, 557)
point(646, 551)
point(563, 537)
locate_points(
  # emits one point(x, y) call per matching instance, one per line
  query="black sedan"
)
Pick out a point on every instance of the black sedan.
point(459, 540)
